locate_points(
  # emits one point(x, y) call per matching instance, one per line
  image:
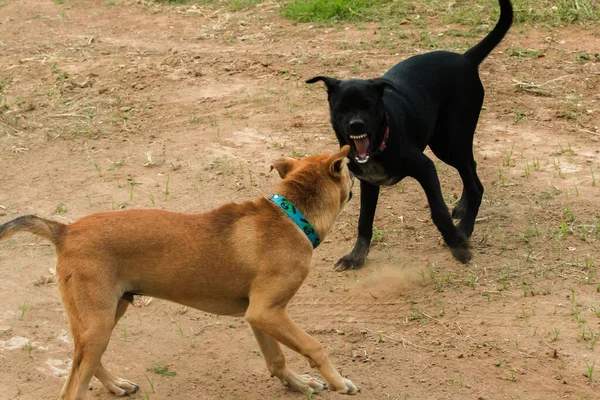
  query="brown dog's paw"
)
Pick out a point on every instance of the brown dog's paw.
point(348, 387)
point(122, 387)
point(303, 383)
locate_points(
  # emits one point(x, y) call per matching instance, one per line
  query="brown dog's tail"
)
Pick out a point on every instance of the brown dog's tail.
point(481, 50)
point(45, 228)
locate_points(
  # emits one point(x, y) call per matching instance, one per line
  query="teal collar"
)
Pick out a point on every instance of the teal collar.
point(297, 217)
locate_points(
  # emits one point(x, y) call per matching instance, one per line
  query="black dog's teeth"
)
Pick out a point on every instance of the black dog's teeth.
point(361, 136)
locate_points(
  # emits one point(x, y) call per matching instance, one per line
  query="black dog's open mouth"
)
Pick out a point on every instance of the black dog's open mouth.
point(361, 145)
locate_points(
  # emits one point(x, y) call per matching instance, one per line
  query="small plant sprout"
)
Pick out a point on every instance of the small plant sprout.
point(28, 348)
point(192, 337)
point(179, 327)
point(527, 169)
point(150, 382)
point(508, 157)
point(380, 338)
point(167, 188)
point(152, 199)
point(24, 309)
point(501, 176)
point(125, 333)
point(564, 229)
point(556, 335)
point(593, 176)
point(590, 370)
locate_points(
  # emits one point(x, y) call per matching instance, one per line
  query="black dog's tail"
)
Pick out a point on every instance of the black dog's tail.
point(45, 228)
point(481, 50)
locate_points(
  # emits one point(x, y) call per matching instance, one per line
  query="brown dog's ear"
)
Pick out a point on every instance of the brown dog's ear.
point(284, 165)
point(331, 83)
point(338, 160)
point(382, 84)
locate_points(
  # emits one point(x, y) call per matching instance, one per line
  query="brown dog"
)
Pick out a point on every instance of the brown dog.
point(241, 259)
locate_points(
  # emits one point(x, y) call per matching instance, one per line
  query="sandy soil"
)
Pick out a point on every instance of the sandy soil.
point(108, 106)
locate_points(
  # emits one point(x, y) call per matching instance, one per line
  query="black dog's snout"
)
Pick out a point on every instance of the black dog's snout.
point(356, 126)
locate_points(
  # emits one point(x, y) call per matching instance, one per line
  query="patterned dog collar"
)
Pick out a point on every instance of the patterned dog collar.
point(297, 217)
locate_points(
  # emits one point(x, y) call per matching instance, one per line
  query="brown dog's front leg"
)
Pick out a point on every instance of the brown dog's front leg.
point(276, 363)
point(275, 323)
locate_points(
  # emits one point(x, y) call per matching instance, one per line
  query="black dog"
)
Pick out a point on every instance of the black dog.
point(431, 99)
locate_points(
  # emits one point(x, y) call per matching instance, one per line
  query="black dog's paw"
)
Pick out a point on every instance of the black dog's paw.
point(458, 212)
point(462, 251)
point(466, 228)
point(350, 261)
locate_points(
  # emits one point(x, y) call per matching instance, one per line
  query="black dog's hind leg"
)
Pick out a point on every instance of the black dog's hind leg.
point(473, 194)
point(453, 144)
point(368, 203)
point(459, 209)
point(423, 170)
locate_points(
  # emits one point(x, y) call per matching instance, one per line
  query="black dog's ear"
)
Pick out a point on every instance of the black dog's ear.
point(383, 83)
point(331, 83)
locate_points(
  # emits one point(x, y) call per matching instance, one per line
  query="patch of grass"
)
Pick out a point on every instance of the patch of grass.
point(234, 5)
point(116, 164)
point(378, 236)
point(476, 13)
point(518, 114)
point(161, 370)
point(61, 209)
point(4, 106)
point(331, 10)
point(173, 1)
point(524, 53)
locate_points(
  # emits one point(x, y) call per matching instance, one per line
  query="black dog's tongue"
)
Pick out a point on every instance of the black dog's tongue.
point(362, 147)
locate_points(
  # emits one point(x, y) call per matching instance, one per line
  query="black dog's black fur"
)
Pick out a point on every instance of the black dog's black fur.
point(431, 100)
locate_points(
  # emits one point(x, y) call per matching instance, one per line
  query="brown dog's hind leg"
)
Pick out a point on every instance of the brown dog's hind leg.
point(91, 334)
point(276, 364)
point(119, 387)
point(275, 322)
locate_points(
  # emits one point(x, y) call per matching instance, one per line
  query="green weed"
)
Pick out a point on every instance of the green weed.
point(161, 370)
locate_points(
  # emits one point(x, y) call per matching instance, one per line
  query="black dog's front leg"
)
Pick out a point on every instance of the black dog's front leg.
point(368, 203)
point(424, 172)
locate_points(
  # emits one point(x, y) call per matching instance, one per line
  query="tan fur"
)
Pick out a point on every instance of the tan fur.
point(245, 259)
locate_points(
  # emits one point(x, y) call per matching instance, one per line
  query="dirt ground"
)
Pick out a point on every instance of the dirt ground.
point(108, 106)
